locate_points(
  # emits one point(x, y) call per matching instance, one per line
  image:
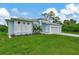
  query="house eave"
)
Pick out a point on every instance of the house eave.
point(18, 19)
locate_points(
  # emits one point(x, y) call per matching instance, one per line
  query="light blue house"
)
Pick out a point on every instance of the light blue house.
point(25, 26)
point(48, 27)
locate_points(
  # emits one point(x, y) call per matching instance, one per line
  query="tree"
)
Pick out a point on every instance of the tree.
point(51, 16)
point(45, 15)
point(51, 13)
point(56, 19)
point(66, 22)
point(72, 21)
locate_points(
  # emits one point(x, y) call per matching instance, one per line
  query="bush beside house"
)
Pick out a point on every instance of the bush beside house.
point(3, 28)
point(37, 29)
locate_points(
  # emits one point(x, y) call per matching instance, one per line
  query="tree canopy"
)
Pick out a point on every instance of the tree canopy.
point(51, 16)
point(68, 22)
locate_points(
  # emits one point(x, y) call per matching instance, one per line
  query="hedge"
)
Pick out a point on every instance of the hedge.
point(71, 28)
point(3, 28)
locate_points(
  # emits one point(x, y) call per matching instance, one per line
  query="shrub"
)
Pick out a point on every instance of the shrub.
point(37, 29)
point(3, 28)
point(70, 28)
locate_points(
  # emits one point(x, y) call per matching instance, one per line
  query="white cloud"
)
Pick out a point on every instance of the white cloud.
point(24, 13)
point(14, 17)
point(4, 14)
point(70, 9)
point(64, 11)
point(15, 10)
point(51, 9)
point(18, 12)
point(62, 17)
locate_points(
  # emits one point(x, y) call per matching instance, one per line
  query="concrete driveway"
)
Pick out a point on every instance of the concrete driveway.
point(67, 34)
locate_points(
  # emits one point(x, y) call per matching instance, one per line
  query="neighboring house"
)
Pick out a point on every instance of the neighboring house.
point(25, 26)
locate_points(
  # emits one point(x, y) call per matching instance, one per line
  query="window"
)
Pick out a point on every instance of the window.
point(28, 23)
point(18, 22)
point(23, 22)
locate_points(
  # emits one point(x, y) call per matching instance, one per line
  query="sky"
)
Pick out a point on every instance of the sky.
point(34, 10)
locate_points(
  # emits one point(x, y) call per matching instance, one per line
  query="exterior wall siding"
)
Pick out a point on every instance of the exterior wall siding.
point(45, 29)
point(10, 28)
point(51, 29)
point(21, 29)
point(55, 29)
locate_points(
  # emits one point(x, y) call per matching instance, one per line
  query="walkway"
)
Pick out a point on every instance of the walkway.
point(67, 34)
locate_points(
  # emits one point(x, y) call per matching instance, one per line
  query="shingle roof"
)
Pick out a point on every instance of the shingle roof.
point(19, 19)
point(50, 23)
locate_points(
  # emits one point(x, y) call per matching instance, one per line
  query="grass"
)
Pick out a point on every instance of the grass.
point(72, 32)
point(39, 45)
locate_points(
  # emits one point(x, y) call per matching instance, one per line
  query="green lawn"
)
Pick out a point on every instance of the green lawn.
point(72, 32)
point(39, 44)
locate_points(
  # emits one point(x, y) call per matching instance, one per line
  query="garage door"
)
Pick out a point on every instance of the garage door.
point(55, 30)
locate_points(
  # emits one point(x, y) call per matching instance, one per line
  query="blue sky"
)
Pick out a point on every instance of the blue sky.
point(34, 10)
